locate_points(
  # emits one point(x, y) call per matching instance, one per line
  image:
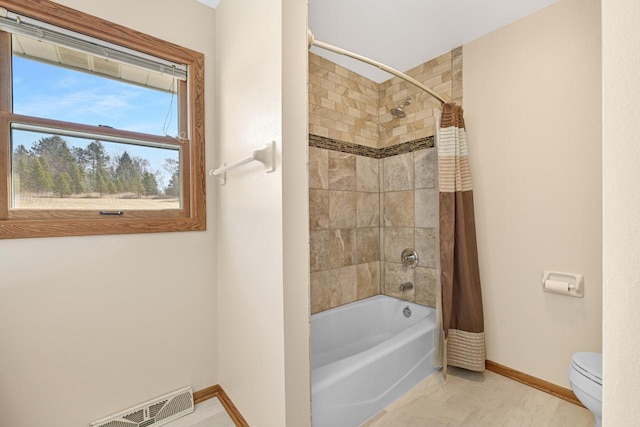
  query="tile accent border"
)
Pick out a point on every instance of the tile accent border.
point(217, 391)
point(375, 153)
point(537, 383)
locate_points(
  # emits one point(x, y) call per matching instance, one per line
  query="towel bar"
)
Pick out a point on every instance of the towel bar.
point(265, 155)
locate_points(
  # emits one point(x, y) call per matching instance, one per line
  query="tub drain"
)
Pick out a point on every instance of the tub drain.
point(406, 311)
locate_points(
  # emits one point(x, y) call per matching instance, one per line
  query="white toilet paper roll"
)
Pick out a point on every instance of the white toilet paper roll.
point(556, 286)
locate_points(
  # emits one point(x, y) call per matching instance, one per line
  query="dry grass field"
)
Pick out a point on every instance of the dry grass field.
point(95, 202)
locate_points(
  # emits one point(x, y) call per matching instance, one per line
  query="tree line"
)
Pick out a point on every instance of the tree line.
point(50, 165)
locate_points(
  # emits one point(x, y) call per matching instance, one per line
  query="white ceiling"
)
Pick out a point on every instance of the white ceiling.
point(210, 3)
point(405, 33)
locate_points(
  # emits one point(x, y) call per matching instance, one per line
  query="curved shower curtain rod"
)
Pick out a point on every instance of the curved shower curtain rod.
point(313, 42)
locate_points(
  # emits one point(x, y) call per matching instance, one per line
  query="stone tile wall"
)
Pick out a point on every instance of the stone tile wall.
point(363, 213)
point(344, 222)
point(442, 74)
point(409, 206)
point(348, 107)
point(343, 105)
point(365, 209)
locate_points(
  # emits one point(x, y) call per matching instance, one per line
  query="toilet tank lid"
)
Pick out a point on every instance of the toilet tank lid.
point(590, 362)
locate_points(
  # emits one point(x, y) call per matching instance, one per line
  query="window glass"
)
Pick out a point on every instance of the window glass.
point(102, 127)
point(52, 171)
point(81, 91)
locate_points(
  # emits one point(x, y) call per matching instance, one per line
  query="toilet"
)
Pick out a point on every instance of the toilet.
point(585, 376)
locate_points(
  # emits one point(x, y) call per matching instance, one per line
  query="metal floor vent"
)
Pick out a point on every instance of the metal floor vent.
point(155, 412)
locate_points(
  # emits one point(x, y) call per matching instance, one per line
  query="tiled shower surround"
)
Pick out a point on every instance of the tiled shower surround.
point(344, 220)
point(372, 182)
point(348, 107)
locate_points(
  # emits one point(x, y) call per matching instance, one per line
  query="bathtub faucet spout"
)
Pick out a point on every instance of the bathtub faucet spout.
point(407, 286)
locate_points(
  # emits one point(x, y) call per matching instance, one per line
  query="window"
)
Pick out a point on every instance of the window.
point(101, 127)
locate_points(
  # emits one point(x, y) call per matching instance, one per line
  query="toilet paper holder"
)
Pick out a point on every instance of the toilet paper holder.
point(570, 284)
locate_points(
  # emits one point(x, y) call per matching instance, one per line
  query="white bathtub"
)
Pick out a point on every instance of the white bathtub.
point(365, 355)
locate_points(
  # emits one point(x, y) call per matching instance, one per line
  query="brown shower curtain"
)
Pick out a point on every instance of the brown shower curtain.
point(462, 317)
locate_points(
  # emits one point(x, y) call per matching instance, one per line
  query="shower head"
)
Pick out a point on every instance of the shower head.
point(398, 112)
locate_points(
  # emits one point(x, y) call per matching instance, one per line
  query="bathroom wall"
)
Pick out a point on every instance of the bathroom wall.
point(295, 214)
point(262, 217)
point(92, 325)
point(348, 107)
point(620, 42)
point(344, 201)
point(443, 75)
point(409, 199)
point(372, 194)
point(344, 222)
point(409, 188)
point(343, 105)
point(532, 103)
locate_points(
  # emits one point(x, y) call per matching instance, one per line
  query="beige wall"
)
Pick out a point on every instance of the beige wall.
point(262, 313)
point(295, 214)
point(92, 325)
point(533, 113)
point(620, 44)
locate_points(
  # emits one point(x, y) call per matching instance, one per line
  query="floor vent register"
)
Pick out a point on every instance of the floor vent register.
point(156, 412)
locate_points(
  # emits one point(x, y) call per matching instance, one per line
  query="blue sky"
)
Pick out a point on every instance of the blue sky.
point(58, 93)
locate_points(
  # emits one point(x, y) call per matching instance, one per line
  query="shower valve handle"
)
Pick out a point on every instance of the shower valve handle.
point(409, 258)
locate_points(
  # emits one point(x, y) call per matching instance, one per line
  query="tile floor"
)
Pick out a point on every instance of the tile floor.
point(471, 399)
point(468, 399)
point(209, 413)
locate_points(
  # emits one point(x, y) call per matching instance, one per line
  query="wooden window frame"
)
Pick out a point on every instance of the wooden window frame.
point(57, 223)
